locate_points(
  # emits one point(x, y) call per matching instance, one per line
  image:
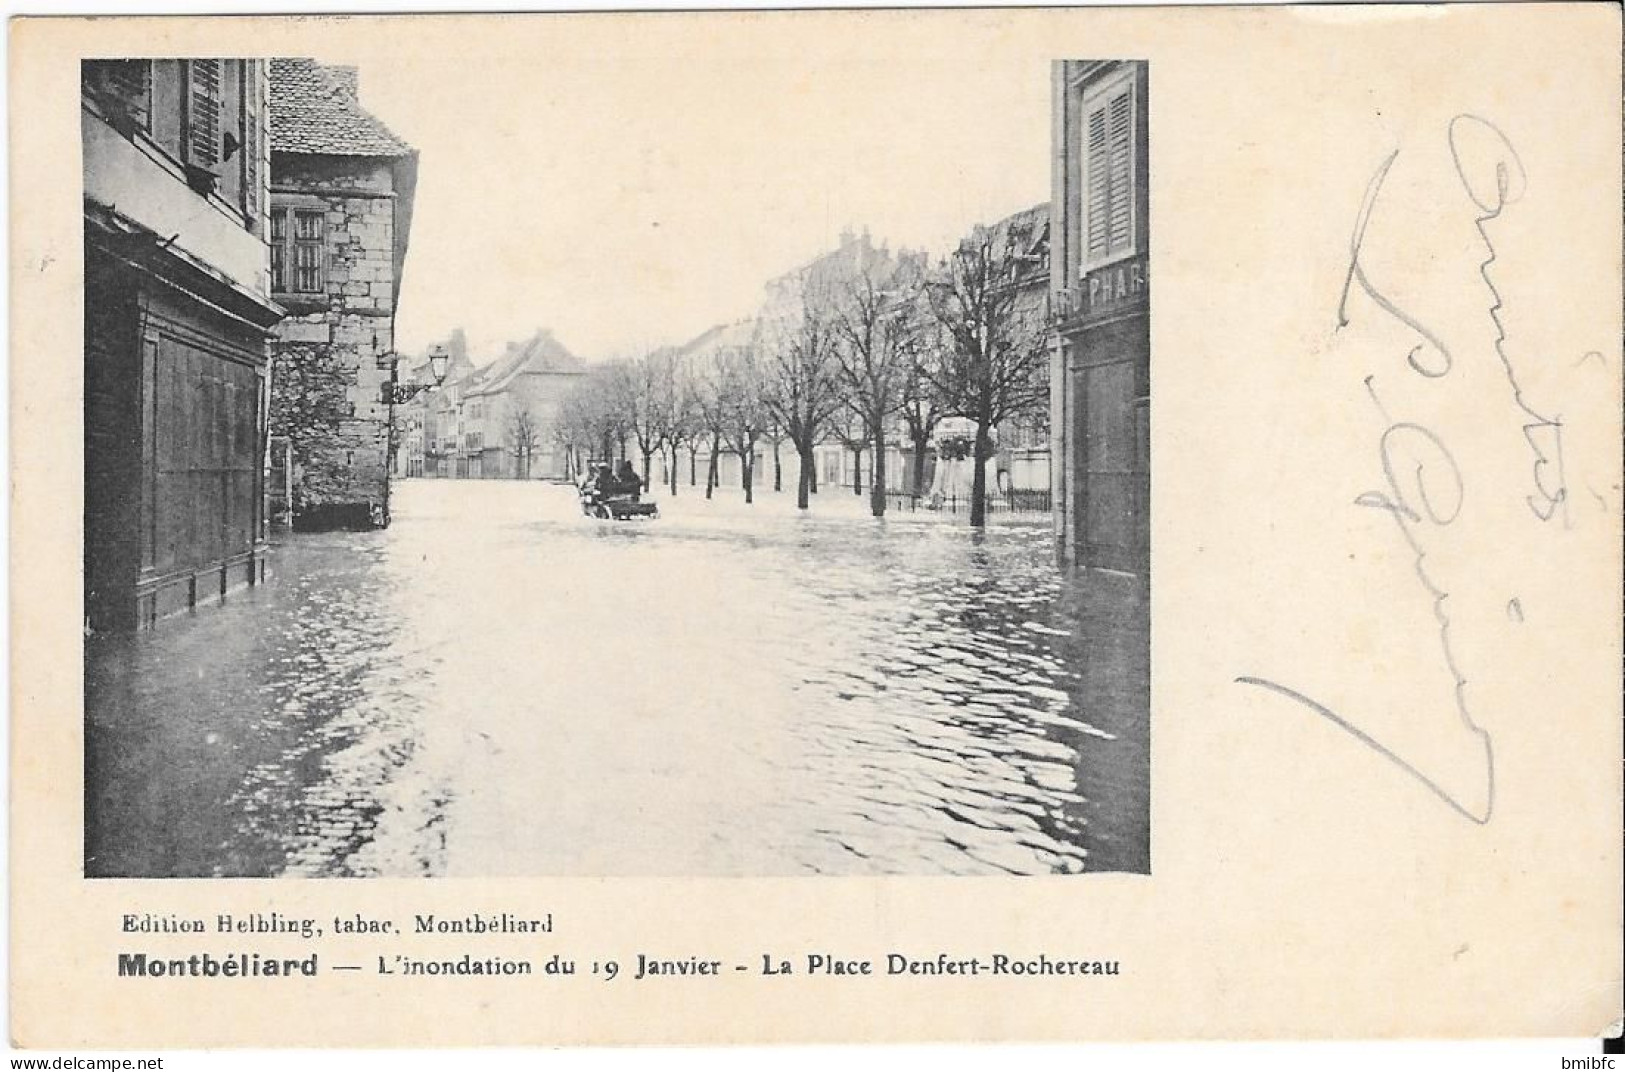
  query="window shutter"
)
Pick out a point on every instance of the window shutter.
point(1109, 172)
point(123, 85)
point(203, 112)
point(251, 142)
point(1097, 195)
point(1121, 135)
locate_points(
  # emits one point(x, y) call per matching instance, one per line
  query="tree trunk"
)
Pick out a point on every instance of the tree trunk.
point(921, 442)
point(671, 473)
point(711, 469)
point(978, 493)
point(747, 463)
point(812, 472)
point(693, 453)
point(857, 471)
point(877, 492)
point(648, 453)
point(804, 478)
point(778, 469)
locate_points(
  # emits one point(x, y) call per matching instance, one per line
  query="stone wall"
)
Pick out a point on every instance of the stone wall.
point(326, 384)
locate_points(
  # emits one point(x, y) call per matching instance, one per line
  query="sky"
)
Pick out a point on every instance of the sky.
point(630, 190)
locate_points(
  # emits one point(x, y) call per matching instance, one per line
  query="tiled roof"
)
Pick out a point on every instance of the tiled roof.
point(540, 353)
point(314, 110)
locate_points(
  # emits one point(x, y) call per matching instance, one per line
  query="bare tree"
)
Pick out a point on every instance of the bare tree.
point(922, 407)
point(873, 354)
point(524, 434)
point(852, 430)
point(744, 415)
point(996, 363)
point(681, 426)
point(800, 379)
point(591, 417)
point(641, 392)
point(710, 417)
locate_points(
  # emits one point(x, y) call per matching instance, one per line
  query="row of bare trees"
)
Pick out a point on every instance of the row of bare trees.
point(862, 346)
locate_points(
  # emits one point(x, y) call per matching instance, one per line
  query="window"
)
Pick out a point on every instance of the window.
point(307, 252)
point(204, 114)
point(1108, 171)
point(122, 89)
point(279, 251)
point(297, 249)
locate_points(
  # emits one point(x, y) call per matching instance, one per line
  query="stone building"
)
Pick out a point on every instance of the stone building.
point(342, 187)
point(1100, 404)
point(178, 315)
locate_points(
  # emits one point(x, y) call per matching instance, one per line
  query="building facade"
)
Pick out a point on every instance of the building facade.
point(510, 414)
point(342, 187)
point(1100, 297)
point(418, 421)
point(178, 317)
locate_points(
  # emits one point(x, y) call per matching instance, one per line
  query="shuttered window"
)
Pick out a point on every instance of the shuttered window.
point(251, 142)
point(1108, 193)
point(203, 112)
point(122, 87)
point(279, 250)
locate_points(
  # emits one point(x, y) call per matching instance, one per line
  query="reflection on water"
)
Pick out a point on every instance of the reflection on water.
point(499, 686)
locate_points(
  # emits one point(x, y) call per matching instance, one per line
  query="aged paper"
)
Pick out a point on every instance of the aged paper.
point(1385, 544)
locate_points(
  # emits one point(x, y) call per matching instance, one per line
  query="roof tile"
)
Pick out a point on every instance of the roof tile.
point(314, 110)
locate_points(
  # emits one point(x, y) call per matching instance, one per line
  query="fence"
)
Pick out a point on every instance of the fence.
point(1007, 501)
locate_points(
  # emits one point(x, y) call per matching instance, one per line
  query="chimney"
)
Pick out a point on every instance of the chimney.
point(347, 80)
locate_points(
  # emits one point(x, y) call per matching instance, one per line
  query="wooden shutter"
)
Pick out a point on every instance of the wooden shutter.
point(124, 87)
point(203, 112)
point(1122, 162)
point(252, 165)
point(1108, 146)
point(1097, 195)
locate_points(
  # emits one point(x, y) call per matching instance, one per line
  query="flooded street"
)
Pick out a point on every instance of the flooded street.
point(496, 685)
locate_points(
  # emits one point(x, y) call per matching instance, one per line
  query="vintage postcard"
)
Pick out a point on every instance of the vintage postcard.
point(695, 528)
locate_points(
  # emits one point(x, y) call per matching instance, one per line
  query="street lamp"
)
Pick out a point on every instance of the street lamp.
point(398, 394)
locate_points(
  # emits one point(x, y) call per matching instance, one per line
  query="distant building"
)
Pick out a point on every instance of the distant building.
point(701, 359)
point(1023, 458)
point(342, 187)
point(1100, 296)
point(418, 422)
point(178, 314)
point(511, 412)
point(837, 461)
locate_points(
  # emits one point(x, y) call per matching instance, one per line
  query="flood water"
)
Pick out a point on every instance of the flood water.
point(498, 686)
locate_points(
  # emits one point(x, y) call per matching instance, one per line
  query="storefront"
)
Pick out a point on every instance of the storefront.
point(1100, 302)
point(175, 418)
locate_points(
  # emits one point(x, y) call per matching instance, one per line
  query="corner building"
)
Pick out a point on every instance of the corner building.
point(177, 319)
point(342, 191)
point(1100, 301)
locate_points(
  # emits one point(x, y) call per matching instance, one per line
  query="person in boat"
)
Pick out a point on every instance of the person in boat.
point(628, 480)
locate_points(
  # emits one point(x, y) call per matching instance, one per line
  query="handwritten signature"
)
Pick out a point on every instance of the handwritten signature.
point(1423, 485)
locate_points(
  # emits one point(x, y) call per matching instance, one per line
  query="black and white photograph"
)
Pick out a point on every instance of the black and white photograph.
point(624, 530)
point(638, 475)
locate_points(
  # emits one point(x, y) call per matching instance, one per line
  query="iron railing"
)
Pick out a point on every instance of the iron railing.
point(1005, 501)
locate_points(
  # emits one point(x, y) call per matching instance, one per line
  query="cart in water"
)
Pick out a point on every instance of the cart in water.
point(615, 504)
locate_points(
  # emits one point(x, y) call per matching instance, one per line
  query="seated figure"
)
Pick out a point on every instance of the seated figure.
point(628, 480)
